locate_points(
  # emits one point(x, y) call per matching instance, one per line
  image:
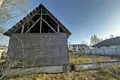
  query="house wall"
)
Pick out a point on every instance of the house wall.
point(39, 49)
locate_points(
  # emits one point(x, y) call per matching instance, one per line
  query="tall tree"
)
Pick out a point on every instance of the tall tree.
point(94, 39)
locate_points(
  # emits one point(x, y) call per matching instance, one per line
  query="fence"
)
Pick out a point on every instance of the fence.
point(103, 51)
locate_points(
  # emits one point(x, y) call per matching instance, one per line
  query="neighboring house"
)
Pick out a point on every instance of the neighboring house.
point(113, 42)
point(108, 46)
point(78, 47)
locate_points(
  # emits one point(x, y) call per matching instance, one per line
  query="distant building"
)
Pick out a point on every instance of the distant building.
point(78, 47)
point(113, 42)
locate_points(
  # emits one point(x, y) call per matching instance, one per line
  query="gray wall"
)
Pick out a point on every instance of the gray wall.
point(39, 49)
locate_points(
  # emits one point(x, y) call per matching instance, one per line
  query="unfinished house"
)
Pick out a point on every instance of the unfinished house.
point(39, 40)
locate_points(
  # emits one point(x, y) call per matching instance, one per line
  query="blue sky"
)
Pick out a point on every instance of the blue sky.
point(83, 18)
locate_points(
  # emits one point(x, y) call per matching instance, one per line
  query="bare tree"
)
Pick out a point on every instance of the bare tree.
point(94, 39)
point(111, 36)
point(9, 9)
point(12, 8)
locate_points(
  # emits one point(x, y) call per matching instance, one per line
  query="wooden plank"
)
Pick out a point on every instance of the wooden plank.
point(22, 30)
point(49, 25)
point(42, 14)
point(26, 20)
point(41, 22)
point(58, 28)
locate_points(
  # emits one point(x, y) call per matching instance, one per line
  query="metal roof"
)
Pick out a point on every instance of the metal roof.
point(108, 42)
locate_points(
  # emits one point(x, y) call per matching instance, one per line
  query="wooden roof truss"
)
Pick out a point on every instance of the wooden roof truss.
point(40, 20)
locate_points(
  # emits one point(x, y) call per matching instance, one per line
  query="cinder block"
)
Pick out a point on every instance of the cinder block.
point(45, 49)
point(36, 70)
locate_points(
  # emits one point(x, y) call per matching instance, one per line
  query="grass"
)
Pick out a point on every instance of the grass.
point(1, 61)
point(74, 59)
point(101, 74)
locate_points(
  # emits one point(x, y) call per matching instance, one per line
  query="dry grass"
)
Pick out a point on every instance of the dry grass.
point(1, 61)
point(102, 74)
point(74, 59)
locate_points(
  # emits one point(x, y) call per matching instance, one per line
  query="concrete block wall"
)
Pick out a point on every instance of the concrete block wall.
point(39, 49)
point(95, 65)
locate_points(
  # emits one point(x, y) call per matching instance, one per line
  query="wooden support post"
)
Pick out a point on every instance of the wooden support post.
point(41, 22)
point(28, 20)
point(58, 28)
point(22, 30)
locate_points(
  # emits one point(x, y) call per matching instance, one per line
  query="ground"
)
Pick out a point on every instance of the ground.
point(101, 74)
point(82, 58)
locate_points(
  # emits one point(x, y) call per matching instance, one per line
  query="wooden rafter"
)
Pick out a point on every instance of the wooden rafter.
point(28, 20)
point(49, 25)
point(32, 26)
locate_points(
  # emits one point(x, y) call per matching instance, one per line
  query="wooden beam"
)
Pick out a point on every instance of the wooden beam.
point(42, 14)
point(58, 28)
point(49, 25)
point(51, 16)
point(28, 19)
point(41, 22)
point(22, 30)
point(32, 26)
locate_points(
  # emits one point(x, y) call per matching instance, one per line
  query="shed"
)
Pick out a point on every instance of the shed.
point(39, 39)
